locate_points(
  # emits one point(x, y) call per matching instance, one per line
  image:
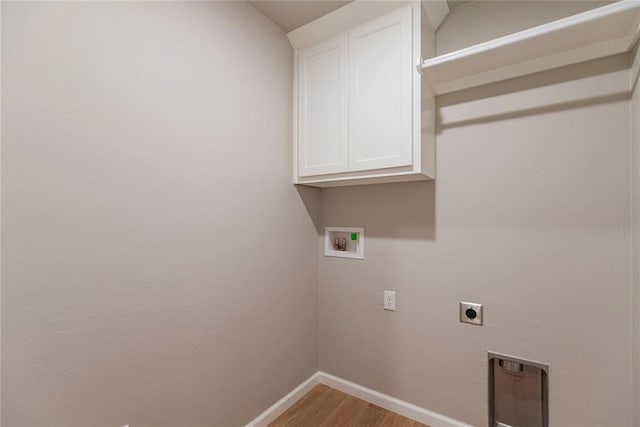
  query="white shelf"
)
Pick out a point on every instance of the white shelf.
point(600, 32)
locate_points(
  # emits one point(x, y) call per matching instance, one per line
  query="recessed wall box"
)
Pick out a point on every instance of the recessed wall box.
point(344, 242)
point(518, 392)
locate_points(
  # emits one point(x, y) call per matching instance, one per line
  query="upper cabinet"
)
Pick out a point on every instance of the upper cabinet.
point(361, 114)
point(323, 108)
point(380, 73)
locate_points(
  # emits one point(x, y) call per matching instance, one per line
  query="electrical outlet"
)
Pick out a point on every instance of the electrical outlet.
point(471, 312)
point(390, 300)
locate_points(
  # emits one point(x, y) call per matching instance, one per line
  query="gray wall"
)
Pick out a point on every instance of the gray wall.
point(529, 215)
point(159, 267)
point(635, 148)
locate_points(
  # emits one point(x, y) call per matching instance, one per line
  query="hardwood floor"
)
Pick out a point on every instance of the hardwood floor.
point(327, 407)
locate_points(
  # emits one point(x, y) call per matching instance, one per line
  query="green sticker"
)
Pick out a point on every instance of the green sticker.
point(354, 236)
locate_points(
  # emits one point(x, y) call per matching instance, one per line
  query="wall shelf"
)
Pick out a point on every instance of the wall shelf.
point(600, 32)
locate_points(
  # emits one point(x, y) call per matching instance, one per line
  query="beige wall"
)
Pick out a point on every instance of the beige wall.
point(159, 267)
point(635, 150)
point(530, 216)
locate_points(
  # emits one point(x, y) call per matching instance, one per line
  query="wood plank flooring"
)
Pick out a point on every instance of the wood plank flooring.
point(327, 407)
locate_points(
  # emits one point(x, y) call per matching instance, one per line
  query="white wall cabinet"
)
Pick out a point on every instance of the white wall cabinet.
point(322, 113)
point(361, 113)
point(380, 70)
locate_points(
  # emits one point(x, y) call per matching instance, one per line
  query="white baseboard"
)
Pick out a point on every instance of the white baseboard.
point(275, 410)
point(385, 401)
point(398, 406)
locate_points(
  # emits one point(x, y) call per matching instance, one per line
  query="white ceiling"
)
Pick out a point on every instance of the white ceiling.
point(290, 15)
point(456, 3)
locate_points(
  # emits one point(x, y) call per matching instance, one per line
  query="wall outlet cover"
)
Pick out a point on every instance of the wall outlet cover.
point(389, 302)
point(472, 313)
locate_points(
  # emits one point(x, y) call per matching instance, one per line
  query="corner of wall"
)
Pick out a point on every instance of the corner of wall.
point(635, 227)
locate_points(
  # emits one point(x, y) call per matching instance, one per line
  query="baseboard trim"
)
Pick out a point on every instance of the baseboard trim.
point(385, 401)
point(401, 407)
point(275, 410)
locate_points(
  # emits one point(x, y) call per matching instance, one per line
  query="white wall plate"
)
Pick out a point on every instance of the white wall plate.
point(344, 242)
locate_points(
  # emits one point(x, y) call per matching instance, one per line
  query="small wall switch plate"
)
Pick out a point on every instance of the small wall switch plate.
point(344, 242)
point(390, 300)
point(471, 312)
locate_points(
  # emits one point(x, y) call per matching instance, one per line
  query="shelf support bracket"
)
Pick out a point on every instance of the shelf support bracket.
point(419, 65)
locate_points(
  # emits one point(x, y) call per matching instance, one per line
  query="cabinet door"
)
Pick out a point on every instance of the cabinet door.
point(380, 101)
point(322, 108)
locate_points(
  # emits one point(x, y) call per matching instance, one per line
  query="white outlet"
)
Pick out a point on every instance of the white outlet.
point(390, 300)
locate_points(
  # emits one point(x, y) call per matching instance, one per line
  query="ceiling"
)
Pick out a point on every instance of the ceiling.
point(456, 3)
point(291, 14)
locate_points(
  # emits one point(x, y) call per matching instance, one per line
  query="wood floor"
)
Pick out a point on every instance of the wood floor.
point(327, 407)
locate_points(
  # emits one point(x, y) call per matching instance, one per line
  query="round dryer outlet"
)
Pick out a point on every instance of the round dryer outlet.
point(471, 312)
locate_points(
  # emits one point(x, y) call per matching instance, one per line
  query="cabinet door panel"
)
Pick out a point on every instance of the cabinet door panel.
point(322, 107)
point(380, 92)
